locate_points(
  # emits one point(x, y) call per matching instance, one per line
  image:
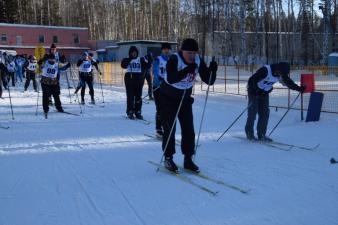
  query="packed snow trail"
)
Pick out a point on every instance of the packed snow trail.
point(93, 168)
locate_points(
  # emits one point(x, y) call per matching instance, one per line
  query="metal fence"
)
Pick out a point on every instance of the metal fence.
point(233, 80)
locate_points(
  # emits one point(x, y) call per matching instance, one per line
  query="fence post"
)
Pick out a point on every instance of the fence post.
point(225, 79)
point(238, 80)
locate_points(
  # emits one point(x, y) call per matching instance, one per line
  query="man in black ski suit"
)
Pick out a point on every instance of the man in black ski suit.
point(175, 93)
point(260, 85)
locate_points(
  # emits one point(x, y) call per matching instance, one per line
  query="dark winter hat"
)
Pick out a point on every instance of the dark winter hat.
point(284, 68)
point(189, 44)
point(91, 54)
point(166, 46)
point(133, 49)
point(53, 46)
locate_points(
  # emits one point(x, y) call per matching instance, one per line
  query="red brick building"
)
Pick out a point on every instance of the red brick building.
point(70, 41)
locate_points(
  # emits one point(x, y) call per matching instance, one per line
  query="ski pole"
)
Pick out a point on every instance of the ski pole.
point(294, 101)
point(77, 96)
point(212, 74)
point(101, 87)
point(10, 102)
point(37, 101)
point(204, 107)
point(172, 128)
point(70, 98)
point(233, 123)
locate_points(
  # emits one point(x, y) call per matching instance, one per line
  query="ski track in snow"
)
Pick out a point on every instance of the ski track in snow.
point(92, 169)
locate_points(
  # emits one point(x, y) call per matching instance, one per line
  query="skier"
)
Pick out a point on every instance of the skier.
point(86, 76)
point(30, 68)
point(19, 62)
point(175, 95)
point(159, 72)
point(134, 80)
point(11, 68)
point(260, 84)
point(149, 59)
point(3, 71)
point(50, 83)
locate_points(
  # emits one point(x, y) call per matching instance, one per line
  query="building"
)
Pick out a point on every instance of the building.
point(116, 51)
point(70, 41)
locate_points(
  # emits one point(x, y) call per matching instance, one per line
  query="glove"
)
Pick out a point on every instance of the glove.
point(191, 67)
point(301, 89)
point(213, 66)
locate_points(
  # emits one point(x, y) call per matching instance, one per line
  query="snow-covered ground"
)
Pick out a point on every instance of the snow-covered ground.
point(92, 169)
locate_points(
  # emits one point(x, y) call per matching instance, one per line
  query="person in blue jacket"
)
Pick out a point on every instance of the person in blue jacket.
point(159, 72)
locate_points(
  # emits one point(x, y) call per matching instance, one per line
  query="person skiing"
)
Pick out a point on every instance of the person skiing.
point(50, 82)
point(3, 71)
point(134, 80)
point(86, 76)
point(19, 62)
point(30, 68)
point(149, 59)
point(260, 84)
point(159, 72)
point(175, 99)
point(11, 68)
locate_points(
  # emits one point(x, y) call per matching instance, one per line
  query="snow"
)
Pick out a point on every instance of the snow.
point(92, 169)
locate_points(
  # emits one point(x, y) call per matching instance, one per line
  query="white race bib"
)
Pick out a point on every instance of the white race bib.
point(267, 83)
point(189, 80)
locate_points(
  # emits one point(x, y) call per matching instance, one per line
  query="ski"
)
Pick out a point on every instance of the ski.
point(4, 127)
point(296, 146)
point(185, 179)
point(177, 142)
point(144, 121)
point(269, 144)
point(216, 181)
point(69, 113)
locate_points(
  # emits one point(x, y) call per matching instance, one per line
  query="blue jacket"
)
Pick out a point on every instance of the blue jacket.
point(157, 80)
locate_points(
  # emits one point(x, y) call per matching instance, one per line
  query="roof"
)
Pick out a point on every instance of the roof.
point(101, 50)
point(47, 47)
point(41, 26)
point(145, 42)
point(334, 54)
point(112, 46)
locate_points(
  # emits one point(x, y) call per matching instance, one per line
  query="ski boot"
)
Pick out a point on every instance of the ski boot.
point(170, 165)
point(92, 101)
point(250, 136)
point(130, 115)
point(190, 165)
point(45, 115)
point(264, 138)
point(139, 116)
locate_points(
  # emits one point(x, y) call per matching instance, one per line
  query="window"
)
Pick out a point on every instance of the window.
point(41, 39)
point(18, 40)
point(55, 39)
point(76, 39)
point(3, 37)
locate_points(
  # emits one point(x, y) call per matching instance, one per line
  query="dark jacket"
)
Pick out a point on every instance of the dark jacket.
point(262, 73)
point(175, 76)
point(144, 63)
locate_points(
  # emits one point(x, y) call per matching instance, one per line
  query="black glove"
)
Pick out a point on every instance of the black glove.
point(191, 67)
point(213, 66)
point(301, 89)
